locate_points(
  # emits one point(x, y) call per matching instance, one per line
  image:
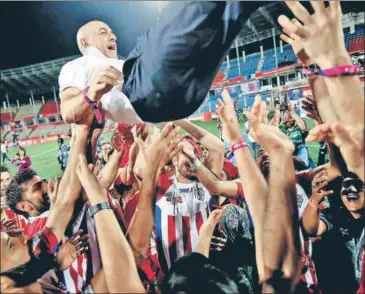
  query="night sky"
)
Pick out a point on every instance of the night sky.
point(40, 31)
point(34, 32)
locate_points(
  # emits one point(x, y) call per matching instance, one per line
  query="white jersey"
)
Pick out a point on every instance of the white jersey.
point(78, 74)
point(180, 211)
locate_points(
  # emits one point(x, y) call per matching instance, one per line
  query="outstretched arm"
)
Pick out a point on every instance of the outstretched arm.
point(121, 277)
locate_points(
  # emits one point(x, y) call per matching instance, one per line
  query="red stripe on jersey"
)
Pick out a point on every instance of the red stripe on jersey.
point(74, 277)
point(80, 271)
point(199, 221)
point(186, 234)
point(35, 227)
point(171, 225)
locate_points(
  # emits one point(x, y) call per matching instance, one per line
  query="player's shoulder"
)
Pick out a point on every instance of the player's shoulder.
point(73, 64)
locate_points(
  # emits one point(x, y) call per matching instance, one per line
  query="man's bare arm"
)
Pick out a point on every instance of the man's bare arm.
point(73, 106)
point(69, 188)
point(253, 182)
point(120, 269)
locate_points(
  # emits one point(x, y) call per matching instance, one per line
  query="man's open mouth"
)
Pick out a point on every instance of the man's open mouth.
point(111, 47)
point(353, 197)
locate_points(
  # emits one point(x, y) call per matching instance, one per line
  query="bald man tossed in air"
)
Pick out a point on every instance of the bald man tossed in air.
point(96, 76)
point(168, 74)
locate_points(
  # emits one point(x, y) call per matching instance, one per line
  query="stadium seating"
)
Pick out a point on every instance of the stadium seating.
point(355, 42)
point(221, 73)
point(42, 131)
point(25, 134)
point(27, 111)
point(247, 68)
point(60, 129)
point(50, 108)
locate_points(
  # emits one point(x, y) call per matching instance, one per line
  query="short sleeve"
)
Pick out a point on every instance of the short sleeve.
point(327, 219)
point(72, 75)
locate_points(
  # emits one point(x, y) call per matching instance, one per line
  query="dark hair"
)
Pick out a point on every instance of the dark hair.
point(21, 149)
point(299, 164)
point(195, 274)
point(29, 272)
point(14, 191)
point(4, 169)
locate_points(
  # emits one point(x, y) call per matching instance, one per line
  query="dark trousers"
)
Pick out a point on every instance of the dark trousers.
point(5, 156)
point(170, 71)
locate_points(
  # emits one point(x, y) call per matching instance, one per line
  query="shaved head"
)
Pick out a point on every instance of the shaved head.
point(99, 35)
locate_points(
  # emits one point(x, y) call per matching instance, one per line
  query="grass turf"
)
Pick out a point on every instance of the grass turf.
point(44, 156)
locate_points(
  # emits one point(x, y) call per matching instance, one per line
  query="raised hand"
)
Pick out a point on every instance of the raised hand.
point(103, 82)
point(320, 181)
point(266, 135)
point(309, 106)
point(292, 39)
point(214, 218)
point(228, 117)
point(162, 149)
point(321, 34)
point(52, 190)
point(8, 225)
point(71, 249)
point(349, 139)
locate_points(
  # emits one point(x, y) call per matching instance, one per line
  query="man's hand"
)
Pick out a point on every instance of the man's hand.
point(214, 218)
point(290, 38)
point(228, 117)
point(162, 149)
point(8, 225)
point(266, 135)
point(321, 34)
point(52, 190)
point(349, 139)
point(319, 182)
point(103, 82)
point(71, 249)
point(309, 106)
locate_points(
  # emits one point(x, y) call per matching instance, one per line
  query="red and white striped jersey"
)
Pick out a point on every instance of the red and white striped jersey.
point(20, 221)
point(74, 278)
point(308, 276)
point(180, 211)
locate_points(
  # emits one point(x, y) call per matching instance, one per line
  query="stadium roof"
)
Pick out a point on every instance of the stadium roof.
point(38, 78)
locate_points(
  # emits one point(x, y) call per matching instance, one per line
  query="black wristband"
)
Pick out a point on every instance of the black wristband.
point(97, 207)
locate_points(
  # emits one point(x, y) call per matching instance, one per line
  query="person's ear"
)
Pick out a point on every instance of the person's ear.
point(84, 43)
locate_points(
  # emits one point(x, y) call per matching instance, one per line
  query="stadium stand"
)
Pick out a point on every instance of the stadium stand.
point(28, 111)
point(25, 134)
point(356, 41)
point(61, 129)
point(43, 131)
point(6, 116)
point(50, 109)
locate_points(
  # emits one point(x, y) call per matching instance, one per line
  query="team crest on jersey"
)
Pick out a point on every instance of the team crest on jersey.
point(199, 193)
point(171, 199)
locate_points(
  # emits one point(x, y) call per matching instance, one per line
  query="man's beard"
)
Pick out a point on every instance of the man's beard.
point(28, 273)
point(45, 206)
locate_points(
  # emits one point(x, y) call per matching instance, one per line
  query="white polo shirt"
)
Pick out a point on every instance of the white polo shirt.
point(78, 74)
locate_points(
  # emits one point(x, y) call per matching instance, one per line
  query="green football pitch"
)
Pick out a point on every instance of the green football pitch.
point(44, 156)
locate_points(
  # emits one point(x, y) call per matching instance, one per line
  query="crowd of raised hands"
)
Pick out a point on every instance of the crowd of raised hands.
point(93, 233)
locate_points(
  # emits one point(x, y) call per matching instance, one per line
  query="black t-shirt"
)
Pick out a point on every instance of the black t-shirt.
point(341, 246)
point(238, 257)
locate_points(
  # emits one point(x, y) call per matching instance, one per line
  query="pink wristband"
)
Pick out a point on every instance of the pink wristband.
point(239, 145)
point(341, 70)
